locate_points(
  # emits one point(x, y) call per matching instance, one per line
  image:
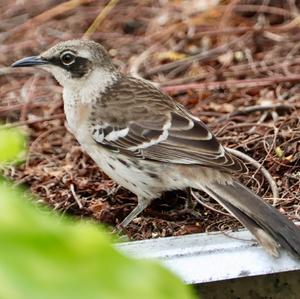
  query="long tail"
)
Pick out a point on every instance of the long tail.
point(270, 228)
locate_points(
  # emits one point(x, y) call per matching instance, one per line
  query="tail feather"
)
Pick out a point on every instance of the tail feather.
point(269, 227)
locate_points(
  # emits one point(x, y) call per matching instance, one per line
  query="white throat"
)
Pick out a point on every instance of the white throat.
point(80, 95)
point(88, 89)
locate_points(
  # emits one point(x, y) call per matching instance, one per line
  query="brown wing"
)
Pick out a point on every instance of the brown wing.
point(139, 120)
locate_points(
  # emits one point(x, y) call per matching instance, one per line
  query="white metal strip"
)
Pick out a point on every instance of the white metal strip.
point(200, 258)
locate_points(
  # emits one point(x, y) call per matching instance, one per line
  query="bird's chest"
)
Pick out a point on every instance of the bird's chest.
point(77, 114)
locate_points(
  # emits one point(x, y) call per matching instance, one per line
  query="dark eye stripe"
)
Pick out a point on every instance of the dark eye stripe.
point(80, 67)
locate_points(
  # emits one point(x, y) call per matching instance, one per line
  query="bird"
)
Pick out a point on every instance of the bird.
point(149, 143)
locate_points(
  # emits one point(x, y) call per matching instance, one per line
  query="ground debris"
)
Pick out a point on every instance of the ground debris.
point(235, 65)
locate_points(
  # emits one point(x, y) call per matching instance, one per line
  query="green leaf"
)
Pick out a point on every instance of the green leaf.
point(12, 145)
point(49, 257)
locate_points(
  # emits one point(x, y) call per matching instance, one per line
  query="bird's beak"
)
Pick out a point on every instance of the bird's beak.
point(29, 61)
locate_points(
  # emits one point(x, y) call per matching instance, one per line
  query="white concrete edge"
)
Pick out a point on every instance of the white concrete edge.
point(200, 258)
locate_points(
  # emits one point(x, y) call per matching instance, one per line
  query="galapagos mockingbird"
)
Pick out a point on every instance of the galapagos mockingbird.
point(148, 143)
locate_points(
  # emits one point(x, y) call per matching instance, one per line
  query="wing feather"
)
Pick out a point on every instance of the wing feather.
point(154, 127)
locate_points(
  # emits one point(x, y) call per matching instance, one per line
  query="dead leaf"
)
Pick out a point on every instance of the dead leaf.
point(170, 55)
point(279, 152)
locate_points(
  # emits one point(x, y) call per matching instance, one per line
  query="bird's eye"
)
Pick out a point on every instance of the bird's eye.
point(67, 58)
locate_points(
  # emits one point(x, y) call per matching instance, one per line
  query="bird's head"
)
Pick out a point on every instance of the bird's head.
point(72, 62)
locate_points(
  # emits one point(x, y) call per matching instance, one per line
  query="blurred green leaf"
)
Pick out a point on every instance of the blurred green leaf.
point(12, 144)
point(44, 256)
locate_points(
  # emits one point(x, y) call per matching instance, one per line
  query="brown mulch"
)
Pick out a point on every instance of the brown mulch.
point(235, 65)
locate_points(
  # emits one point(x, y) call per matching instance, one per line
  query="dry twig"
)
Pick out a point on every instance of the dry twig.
point(258, 166)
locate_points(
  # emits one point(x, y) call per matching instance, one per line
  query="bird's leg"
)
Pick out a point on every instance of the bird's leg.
point(143, 203)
